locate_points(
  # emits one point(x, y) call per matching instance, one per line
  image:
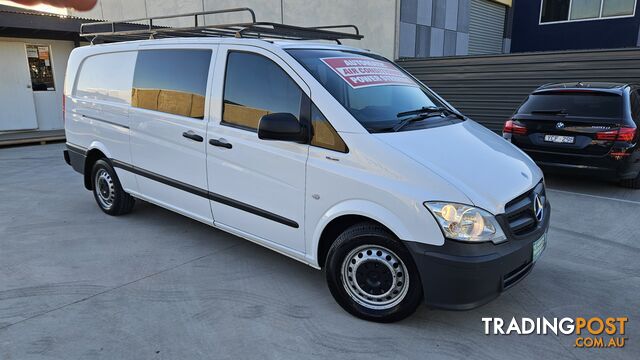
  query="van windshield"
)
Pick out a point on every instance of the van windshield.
point(374, 90)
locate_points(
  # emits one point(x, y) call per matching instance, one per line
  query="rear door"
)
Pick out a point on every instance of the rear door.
point(168, 127)
point(580, 122)
point(99, 107)
point(257, 187)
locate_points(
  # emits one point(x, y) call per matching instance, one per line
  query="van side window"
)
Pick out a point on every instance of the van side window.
point(172, 81)
point(324, 135)
point(100, 80)
point(255, 86)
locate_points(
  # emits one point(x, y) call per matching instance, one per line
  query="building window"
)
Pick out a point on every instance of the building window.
point(171, 81)
point(553, 11)
point(618, 7)
point(256, 86)
point(39, 57)
point(585, 9)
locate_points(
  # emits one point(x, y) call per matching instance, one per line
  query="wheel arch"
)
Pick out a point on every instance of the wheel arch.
point(346, 214)
point(96, 152)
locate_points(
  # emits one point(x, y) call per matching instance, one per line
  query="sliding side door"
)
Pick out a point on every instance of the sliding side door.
point(168, 128)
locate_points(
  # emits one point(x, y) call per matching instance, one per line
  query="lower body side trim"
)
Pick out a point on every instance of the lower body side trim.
point(204, 193)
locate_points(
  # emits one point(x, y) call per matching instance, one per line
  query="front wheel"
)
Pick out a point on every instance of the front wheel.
point(372, 275)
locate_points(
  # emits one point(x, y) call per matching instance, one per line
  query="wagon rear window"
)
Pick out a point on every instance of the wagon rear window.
point(584, 104)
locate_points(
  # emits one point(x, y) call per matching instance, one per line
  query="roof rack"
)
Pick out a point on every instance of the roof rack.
point(147, 28)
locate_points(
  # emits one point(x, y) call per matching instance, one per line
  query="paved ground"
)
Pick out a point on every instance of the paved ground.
point(77, 284)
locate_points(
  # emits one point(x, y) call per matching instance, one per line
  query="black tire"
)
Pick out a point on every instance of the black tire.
point(631, 183)
point(116, 201)
point(350, 245)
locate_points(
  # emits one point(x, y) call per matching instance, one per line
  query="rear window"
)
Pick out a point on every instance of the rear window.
point(100, 80)
point(583, 104)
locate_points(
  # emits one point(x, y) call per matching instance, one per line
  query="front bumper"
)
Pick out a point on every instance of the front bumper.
point(461, 276)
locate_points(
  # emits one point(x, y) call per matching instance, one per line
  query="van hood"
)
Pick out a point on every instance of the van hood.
point(489, 170)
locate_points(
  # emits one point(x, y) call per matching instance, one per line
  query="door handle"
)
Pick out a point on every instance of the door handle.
point(220, 143)
point(193, 136)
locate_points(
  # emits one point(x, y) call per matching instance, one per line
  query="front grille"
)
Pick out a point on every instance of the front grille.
point(520, 213)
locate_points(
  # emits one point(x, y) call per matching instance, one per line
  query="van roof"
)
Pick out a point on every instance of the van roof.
point(283, 44)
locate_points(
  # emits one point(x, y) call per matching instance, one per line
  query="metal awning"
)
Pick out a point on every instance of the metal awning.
point(19, 22)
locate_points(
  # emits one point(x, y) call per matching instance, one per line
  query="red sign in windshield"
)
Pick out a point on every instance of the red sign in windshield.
point(362, 72)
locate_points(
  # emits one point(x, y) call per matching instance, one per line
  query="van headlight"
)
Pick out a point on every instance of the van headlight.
point(466, 223)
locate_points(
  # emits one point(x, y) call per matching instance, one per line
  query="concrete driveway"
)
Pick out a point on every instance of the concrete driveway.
point(78, 284)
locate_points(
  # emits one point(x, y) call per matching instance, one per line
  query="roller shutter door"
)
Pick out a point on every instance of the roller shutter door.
point(486, 27)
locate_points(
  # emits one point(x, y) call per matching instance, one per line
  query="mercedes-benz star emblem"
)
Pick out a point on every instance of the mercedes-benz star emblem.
point(538, 208)
point(560, 125)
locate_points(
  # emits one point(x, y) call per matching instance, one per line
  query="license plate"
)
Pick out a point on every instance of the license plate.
point(560, 139)
point(539, 246)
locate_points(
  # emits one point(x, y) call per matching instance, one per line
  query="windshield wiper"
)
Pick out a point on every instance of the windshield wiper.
point(421, 114)
point(550, 112)
point(422, 110)
point(406, 121)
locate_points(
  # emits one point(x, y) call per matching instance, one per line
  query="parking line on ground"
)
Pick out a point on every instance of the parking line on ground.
point(596, 196)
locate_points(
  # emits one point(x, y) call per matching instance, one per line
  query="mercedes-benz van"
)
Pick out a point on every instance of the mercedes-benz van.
point(328, 154)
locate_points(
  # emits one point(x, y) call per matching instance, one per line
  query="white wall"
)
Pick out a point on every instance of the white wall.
point(375, 18)
point(49, 103)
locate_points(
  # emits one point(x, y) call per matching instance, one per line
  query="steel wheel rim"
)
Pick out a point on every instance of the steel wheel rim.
point(367, 283)
point(104, 189)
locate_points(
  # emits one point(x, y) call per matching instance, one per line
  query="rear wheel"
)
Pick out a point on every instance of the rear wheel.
point(372, 275)
point(108, 192)
point(631, 183)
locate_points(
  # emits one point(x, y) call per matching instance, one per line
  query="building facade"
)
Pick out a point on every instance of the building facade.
point(547, 25)
point(430, 28)
point(34, 49)
point(376, 19)
point(393, 28)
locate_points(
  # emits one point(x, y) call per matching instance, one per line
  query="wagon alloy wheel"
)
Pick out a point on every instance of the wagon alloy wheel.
point(105, 189)
point(375, 277)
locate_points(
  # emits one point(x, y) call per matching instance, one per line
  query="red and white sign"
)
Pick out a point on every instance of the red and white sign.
point(361, 72)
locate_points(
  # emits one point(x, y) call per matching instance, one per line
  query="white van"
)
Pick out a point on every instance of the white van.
point(328, 154)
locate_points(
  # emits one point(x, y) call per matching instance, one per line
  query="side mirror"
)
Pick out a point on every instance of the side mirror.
point(281, 126)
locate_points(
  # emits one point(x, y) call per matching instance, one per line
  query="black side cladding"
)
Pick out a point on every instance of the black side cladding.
point(76, 157)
